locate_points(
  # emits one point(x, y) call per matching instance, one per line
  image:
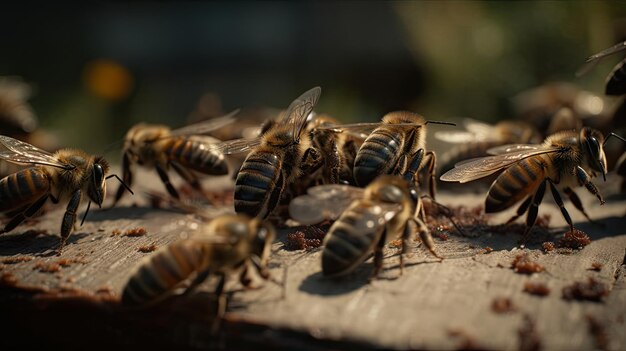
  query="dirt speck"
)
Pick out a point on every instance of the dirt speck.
point(574, 240)
point(529, 338)
point(598, 332)
point(134, 232)
point(539, 289)
point(524, 265)
point(17, 259)
point(147, 248)
point(548, 246)
point(592, 290)
point(503, 305)
point(596, 266)
point(8, 279)
point(47, 267)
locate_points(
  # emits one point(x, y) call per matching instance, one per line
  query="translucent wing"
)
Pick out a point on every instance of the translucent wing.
point(376, 215)
point(467, 171)
point(236, 145)
point(477, 127)
point(505, 149)
point(23, 153)
point(206, 126)
point(593, 60)
point(323, 202)
point(298, 111)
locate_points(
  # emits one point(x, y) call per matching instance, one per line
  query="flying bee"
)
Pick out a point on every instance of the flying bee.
point(66, 175)
point(16, 115)
point(480, 137)
point(396, 146)
point(275, 158)
point(227, 245)
point(366, 219)
point(564, 160)
point(183, 149)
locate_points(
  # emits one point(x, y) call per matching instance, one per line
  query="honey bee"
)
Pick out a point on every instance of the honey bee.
point(615, 81)
point(66, 175)
point(275, 158)
point(16, 115)
point(182, 149)
point(385, 210)
point(564, 160)
point(396, 146)
point(480, 137)
point(224, 246)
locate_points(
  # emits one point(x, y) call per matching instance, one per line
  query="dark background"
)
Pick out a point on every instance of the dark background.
point(440, 59)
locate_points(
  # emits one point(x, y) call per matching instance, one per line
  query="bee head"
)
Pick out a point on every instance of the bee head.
point(592, 141)
point(97, 184)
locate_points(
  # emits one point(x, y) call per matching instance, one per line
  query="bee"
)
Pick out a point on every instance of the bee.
point(385, 210)
point(396, 146)
point(564, 160)
point(480, 137)
point(16, 115)
point(66, 175)
point(183, 149)
point(275, 158)
point(227, 245)
point(616, 80)
point(337, 152)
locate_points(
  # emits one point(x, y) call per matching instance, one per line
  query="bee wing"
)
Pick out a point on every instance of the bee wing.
point(236, 145)
point(323, 202)
point(298, 111)
point(505, 149)
point(359, 130)
point(377, 215)
point(593, 60)
point(205, 126)
point(23, 153)
point(477, 168)
point(476, 131)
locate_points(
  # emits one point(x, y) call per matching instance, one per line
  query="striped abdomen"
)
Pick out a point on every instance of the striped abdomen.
point(350, 240)
point(259, 184)
point(378, 155)
point(22, 188)
point(196, 155)
point(517, 182)
point(163, 271)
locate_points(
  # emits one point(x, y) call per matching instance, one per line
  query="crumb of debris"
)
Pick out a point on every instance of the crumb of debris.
point(139, 231)
point(147, 248)
point(529, 339)
point(596, 266)
point(66, 262)
point(307, 238)
point(599, 333)
point(592, 290)
point(503, 305)
point(17, 259)
point(70, 280)
point(101, 229)
point(8, 279)
point(488, 249)
point(524, 265)
point(548, 246)
point(467, 342)
point(396, 244)
point(47, 267)
point(539, 289)
point(116, 232)
point(104, 290)
point(574, 240)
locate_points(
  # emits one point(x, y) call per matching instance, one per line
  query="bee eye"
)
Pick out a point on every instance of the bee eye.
point(594, 146)
point(98, 174)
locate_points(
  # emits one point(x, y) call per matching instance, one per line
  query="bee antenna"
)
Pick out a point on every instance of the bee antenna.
point(121, 181)
point(615, 135)
point(441, 122)
point(85, 215)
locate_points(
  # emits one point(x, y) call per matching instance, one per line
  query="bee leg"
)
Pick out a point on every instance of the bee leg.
point(244, 277)
point(199, 279)
point(412, 167)
point(425, 237)
point(532, 211)
point(221, 304)
point(29, 212)
point(276, 195)
point(583, 179)
point(69, 219)
point(573, 197)
point(127, 176)
point(378, 254)
point(166, 180)
point(334, 164)
point(193, 181)
point(520, 210)
point(559, 202)
point(431, 161)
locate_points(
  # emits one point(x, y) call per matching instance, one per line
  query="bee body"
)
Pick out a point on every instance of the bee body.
point(23, 187)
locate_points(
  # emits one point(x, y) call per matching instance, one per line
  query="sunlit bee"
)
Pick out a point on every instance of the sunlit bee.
point(564, 160)
point(66, 176)
point(478, 137)
point(16, 115)
point(366, 219)
point(184, 150)
point(396, 147)
point(275, 158)
point(226, 246)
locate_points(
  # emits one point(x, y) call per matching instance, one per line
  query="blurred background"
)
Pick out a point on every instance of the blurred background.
point(96, 69)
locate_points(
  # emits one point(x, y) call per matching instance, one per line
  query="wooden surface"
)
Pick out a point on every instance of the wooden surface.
point(433, 305)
